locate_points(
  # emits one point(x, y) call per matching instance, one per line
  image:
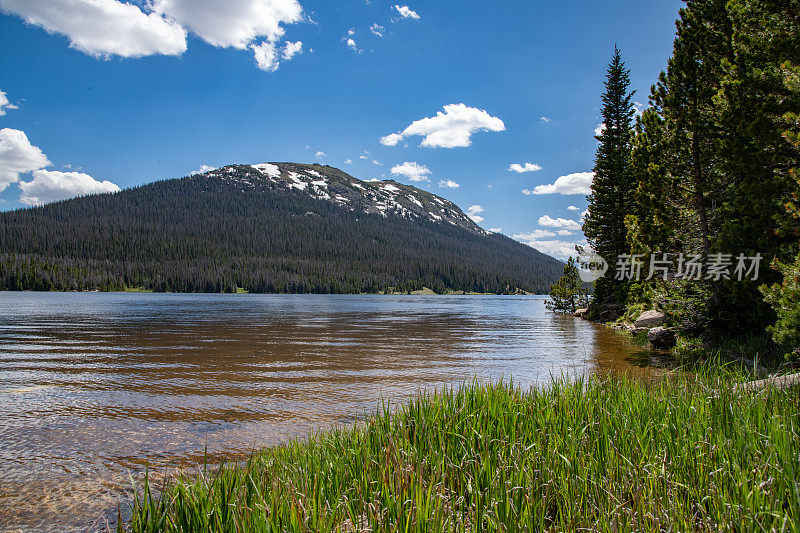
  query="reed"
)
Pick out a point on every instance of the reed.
point(599, 454)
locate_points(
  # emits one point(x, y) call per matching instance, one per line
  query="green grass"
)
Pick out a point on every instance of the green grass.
point(610, 454)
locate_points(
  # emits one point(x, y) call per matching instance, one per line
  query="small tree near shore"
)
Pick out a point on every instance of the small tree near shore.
point(568, 294)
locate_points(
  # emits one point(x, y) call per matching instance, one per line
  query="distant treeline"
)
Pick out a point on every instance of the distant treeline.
point(206, 234)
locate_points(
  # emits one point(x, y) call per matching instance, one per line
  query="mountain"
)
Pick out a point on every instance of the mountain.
point(273, 227)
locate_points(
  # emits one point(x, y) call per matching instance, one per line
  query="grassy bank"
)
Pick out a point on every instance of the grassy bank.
point(609, 455)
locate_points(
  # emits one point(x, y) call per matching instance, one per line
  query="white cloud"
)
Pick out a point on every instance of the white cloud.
point(556, 248)
point(52, 185)
point(348, 162)
point(351, 44)
point(406, 12)
point(103, 27)
point(525, 167)
point(449, 184)
point(576, 183)
point(546, 120)
point(572, 208)
point(392, 139)
point(474, 211)
point(5, 104)
point(535, 235)
point(266, 56)
point(376, 162)
point(496, 230)
point(320, 154)
point(599, 129)
point(412, 170)
point(111, 27)
point(203, 169)
point(17, 156)
point(292, 49)
point(449, 129)
point(563, 223)
point(564, 232)
point(377, 29)
point(234, 23)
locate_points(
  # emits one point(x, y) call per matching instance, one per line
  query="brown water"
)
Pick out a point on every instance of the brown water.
point(95, 387)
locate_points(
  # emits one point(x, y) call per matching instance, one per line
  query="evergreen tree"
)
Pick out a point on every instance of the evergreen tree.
point(568, 294)
point(612, 188)
point(651, 223)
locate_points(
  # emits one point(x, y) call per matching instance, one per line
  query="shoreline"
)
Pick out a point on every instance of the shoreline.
point(564, 456)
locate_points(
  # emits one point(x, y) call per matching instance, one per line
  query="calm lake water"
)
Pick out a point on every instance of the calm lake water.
point(96, 387)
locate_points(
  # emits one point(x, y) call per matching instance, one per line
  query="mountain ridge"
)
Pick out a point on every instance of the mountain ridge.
point(372, 196)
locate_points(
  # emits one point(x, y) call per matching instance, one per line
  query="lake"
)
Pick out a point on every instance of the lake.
point(97, 387)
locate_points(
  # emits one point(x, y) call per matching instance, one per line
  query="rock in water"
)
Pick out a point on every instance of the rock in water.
point(661, 337)
point(650, 319)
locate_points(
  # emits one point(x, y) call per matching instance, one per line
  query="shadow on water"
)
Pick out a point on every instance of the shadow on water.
point(96, 387)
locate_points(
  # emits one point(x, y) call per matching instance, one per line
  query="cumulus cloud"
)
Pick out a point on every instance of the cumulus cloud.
point(234, 23)
point(572, 208)
point(292, 49)
point(53, 185)
point(496, 230)
point(110, 27)
point(406, 12)
point(348, 162)
point(576, 183)
point(525, 167)
point(474, 211)
point(320, 154)
point(266, 56)
point(5, 104)
point(377, 29)
point(103, 27)
point(412, 170)
point(202, 169)
point(564, 232)
point(535, 235)
point(452, 128)
point(449, 184)
point(351, 44)
point(18, 156)
point(557, 248)
point(563, 223)
point(392, 139)
point(546, 120)
point(599, 129)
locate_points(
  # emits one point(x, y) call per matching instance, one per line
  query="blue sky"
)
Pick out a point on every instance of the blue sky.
point(115, 95)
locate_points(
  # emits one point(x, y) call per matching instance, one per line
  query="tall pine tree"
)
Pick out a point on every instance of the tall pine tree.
point(613, 186)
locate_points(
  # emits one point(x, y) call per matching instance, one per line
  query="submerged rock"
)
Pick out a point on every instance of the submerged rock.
point(661, 337)
point(650, 319)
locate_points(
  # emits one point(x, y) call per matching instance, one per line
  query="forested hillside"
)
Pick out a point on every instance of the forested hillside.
point(708, 171)
point(263, 228)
